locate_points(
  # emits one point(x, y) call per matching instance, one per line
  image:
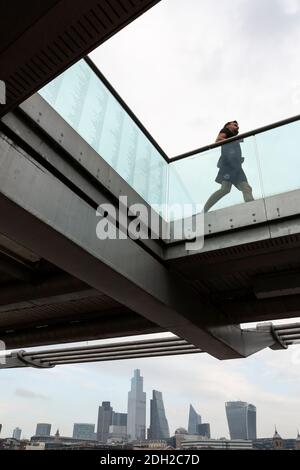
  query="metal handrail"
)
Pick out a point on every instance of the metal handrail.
point(211, 146)
point(108, 85)
point(259, 130)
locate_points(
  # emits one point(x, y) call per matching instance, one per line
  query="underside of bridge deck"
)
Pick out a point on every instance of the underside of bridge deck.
point(40, 39)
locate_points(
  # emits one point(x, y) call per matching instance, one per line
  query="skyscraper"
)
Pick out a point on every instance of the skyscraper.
point(241, 419)
point(17, 433)
point(84, 431)
point(194, 420)
point(43, 429)
point(252, 422)
point(104, 421)
point(159, 428)
point(136, 417)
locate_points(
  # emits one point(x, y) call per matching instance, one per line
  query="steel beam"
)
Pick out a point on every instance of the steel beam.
point(99, 353)
point(53, 35)
point(242, 311)
point(50, 289)
point(55, 144)
point(46, 216)
point(277, 285)
point(99, 325)
point(16, 268)
point(258, 222)
point(155, 347)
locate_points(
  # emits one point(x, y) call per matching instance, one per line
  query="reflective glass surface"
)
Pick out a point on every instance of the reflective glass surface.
point(268, 161)
point(193, 179)
point(279, 157)
point(85, 103)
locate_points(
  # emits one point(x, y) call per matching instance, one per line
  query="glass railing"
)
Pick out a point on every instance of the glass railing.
point(198, 174)
point(278, 151)
point(261, 164)
point(89, 106)
point(267, 161)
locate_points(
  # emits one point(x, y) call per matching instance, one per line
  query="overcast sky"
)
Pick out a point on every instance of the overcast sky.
point(68, 394)
point(186, 67)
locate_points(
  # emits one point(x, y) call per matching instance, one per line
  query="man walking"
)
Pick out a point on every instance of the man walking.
point(230, 167)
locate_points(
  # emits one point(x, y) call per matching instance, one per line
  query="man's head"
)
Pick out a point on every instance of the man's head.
point(233, 127)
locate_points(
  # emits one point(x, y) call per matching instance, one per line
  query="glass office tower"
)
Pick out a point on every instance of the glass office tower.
point(241, 417)
point(104, 421)
point(194, 421)
point(159, 428)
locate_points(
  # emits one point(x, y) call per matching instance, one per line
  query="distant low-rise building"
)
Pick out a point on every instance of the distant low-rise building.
point(84, 431)
point(196, 442)
point(297, 443)
point(118, 427)
point(11, 444)
point(36, 446)
point(117, 433)
point(153, 445)
point(43, 429)
point(277, 443)
point(204, 430)
point(183, 440)
point(17, 433)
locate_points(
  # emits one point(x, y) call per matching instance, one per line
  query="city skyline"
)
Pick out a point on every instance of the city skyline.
point(158, 422)
point(178, 69)
point(178, 75)
point(212, 406)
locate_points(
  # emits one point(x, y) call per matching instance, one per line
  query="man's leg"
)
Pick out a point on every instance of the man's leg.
point(246, 189)
point(215, 197)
